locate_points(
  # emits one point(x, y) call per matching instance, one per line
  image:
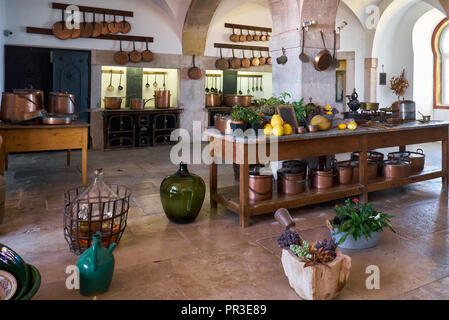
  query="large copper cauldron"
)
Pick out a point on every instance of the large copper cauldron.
point(162, 99)
point(39, 94)
point(231, 100)
point(16, 105)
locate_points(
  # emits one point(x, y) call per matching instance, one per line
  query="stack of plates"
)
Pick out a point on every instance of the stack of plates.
point(18, 280)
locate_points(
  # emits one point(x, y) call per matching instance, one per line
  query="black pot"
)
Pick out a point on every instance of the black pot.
point(256, 127)
point(242, 126)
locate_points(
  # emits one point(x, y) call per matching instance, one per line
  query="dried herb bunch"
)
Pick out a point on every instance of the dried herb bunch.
point(315, 253)
point(399, 84)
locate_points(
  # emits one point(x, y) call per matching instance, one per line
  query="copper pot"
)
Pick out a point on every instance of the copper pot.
point(223, 125)
point(322, 179)
point(7, 107)
point(213, 100)
point(323, 59)
point(372, 170)
point(23, 104)
point(61, 103)
point(395, 169)
point(345, 172)
point(138, 104)
point(39, 95)
point(260, 185)
point(162, 99)
point(291, 181)
point(417, 159)
point(112, 102)
point(231, 100)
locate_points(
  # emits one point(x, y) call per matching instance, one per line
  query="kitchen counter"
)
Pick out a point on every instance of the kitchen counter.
point(244, 151)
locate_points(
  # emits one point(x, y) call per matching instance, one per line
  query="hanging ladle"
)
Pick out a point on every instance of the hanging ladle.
point(219, 84)
point(164, 82)
point(155, 82)
point(120, 84)
point(303, 57)
point(261, 84)
point(249, 90)
point(240, 91)
point(147, 85)
point(110, 87)
point(207, 84)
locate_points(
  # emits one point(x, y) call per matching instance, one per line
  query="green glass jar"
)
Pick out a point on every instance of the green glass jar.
point(182, 195)
point(96, 267)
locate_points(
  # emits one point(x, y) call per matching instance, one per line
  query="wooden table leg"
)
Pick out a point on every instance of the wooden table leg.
point(363, 171)
point(244, 195)
point(6, 161)
point(68, 158)
point(84, 158)
point(213, 180)
point(445, 163)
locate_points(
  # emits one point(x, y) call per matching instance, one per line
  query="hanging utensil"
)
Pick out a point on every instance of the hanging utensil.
point(242, 38)
point(194, 72)
point(60, 31)
point(235, 63)
point(220, 83)
point(282, 59)
point(215, 89)
point(254, 88)
point(212, 90)
point(249, 90)
point(240, 91)
point(114, 26)
point(135, 56)
point(303, 57)
point(255, 61)
point(155, 84)
point(86, 27)
point(222, 64)
point(246, 63)
point(257, 84)
point(110, 87)
point(323, 59)
point(262, 59)
point(147, 85)
point(256, 36)
point(76, 33)
point(249, 37)
point(234, 37)
point(207, 84)
point(97, 27)
point(147, 55)
point(120, 88)
point(164, 81)
point(121, 57)
point(263, 37)
point(335, 62)
point(124, 26)
point(261, 84)
point(104, 26)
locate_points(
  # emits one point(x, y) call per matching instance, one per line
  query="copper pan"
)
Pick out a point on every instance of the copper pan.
point(235, 63)
point(104, 26)
point(46, 118)
point(262, 59)
point(23, 104)
point(114, 26)
point(7, 106)
point(138, 104)
point(323, 59)
point(125, 26)
point(234, 37)
point(395, 169)
point(60, 30)
point(246, 63)
point(87, 28)
point(242, 38)
point(291, 181)
point(222, 64)
point(97, 27)
point(147, 55)
point(260, 185)
point(255, 61)
point(249, 37)
point(135, 56)
point(194, 72)
point(121, 57)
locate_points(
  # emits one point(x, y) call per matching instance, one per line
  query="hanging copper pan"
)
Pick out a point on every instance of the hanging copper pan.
point(222, 64)
point(97, 27)
point(147, 55)
point(121, 57)
point(104, 26)
point(249, 37)
point(246, 63)
point(255, 61)
point(125, 26)
point(242, 38)
point(234, 62)
point(114, 26)
point(135, 56)
point(194, 72)
point(323, 59)
point(234, 37)
point(86, 27)
point(256, 36)
point(262, 59)
point(76, 32)
point(269, 59)
point(60, 30)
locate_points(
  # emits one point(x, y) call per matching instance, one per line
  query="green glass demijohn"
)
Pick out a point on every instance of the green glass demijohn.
point(182, 195)
point(96, 267)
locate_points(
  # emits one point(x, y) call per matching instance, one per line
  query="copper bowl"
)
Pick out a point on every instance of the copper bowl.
point(231, 100)
point(213, 100)
point(345, 171)
point(312, 128)
point(302, 130)
point(138, 104)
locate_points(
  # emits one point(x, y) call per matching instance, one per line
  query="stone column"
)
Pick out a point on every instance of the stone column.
point(371, 79)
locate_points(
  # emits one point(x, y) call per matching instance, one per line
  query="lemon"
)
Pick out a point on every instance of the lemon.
point(342, 126)
point(267, 129)
point(278, 130)
point(287, 129)
point(352, 125)
point(276, 120)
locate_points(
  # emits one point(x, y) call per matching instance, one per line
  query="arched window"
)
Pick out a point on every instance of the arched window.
point(440, 48)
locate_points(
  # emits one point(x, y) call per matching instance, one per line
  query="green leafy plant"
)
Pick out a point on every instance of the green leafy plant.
point(268, 106)
point(301, 251)
point(300, 110)
point(359, 220)
point(239, 113)
point(254, 117)
point(315, 253)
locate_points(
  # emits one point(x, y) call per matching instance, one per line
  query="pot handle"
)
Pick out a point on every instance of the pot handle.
point(419, 150)
point(23, 96)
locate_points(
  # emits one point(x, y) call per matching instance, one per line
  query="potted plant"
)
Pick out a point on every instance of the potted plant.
point(268, 106)
point(316, 271)
point(255, 120)
point(358, 226)
point(239, 117)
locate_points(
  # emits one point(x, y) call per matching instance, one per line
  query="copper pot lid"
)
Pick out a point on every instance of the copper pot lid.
point(60, 94)
point(291, 171)
point(396, 162)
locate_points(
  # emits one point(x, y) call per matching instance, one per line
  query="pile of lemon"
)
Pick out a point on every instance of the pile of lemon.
point(277, 127)
point(352, 125)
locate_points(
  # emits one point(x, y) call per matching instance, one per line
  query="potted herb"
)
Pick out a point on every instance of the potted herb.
point(358, 226)
point(268, 106)
point(239, 117)
point(255, 120)
point(316, 271)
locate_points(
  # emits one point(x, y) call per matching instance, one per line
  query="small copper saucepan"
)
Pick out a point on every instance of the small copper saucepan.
point(61, 103)
point(323, 178)
point(138, 104)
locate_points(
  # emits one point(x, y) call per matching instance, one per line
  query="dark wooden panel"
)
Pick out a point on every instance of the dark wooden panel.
point(134, 84)
point(229, 82)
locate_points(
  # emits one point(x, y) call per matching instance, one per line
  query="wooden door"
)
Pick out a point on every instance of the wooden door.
point(71, 74)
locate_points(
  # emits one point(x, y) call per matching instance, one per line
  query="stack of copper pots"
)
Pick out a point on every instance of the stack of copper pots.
point(417, 159)
point(292, 181)
point(162, 99)
point(260, 185)
point(396, 169)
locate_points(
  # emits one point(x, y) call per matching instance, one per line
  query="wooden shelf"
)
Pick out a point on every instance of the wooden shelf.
point(49, 32)
point(240, 47)
point(122, 13)
point(113, 71)
point(230, 196)
point(245, 27)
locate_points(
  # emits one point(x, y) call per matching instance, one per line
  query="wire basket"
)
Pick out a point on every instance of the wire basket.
point(106, 215)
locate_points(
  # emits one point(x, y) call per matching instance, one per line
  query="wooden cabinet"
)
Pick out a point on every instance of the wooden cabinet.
point(128, 128)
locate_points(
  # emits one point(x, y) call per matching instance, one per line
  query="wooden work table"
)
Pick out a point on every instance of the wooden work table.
point(334, 141)
point(35, 137)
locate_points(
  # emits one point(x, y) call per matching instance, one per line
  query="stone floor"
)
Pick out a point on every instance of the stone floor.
point(213, 258)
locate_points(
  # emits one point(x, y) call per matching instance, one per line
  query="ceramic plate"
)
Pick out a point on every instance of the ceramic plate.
point(11, 262)
point(8, 285)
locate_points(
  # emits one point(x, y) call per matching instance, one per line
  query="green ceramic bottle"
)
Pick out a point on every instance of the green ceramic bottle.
point(182, 195)
point(96, 266)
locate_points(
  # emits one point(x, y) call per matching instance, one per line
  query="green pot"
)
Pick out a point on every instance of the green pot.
point(96, 266)
point(34, 283)
point(182, 195)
